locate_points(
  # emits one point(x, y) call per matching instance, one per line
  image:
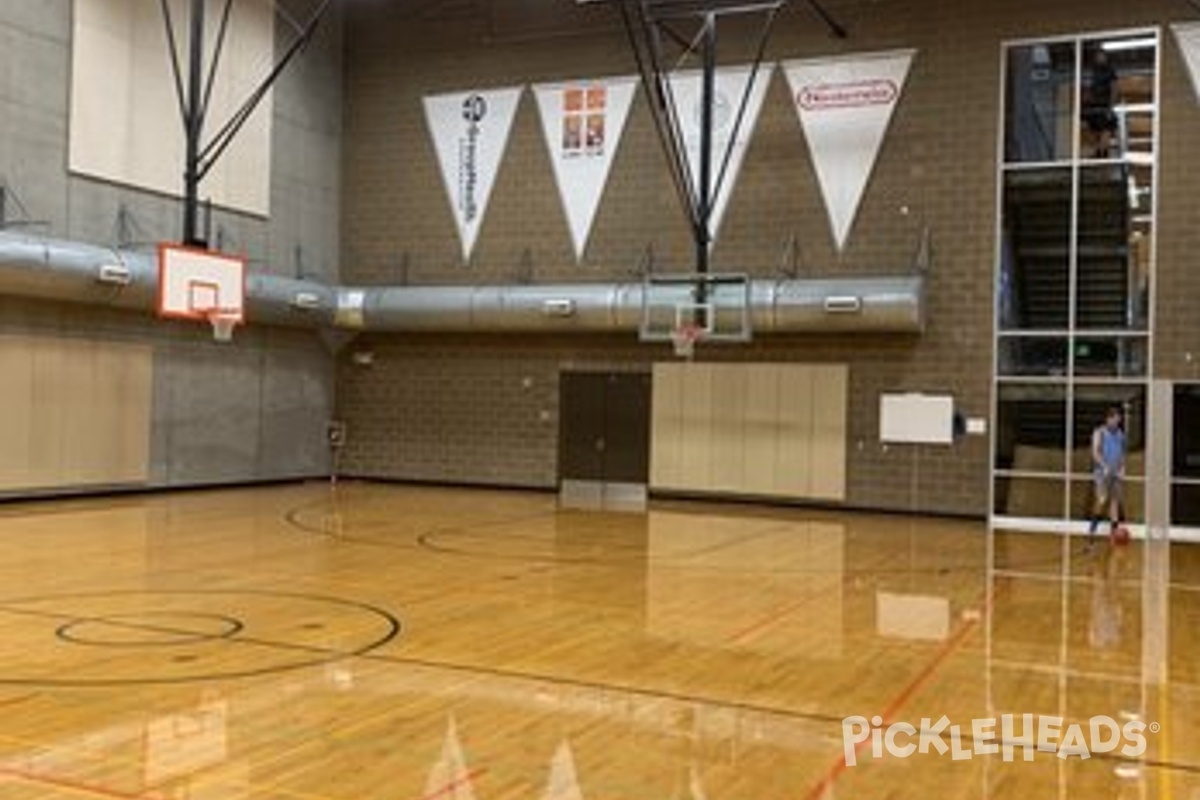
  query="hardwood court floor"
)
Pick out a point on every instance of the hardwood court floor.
point(400, 643)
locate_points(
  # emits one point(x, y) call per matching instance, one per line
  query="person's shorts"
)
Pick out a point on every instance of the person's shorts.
point(1108, 487)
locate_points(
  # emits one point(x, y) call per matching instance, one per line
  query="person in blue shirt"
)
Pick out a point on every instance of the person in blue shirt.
point(1108, 470)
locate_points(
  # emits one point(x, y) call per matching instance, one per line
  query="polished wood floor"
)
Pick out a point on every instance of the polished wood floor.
point(396, 643)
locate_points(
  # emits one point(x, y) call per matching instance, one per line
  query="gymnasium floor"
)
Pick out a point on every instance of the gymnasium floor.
point(407, 643)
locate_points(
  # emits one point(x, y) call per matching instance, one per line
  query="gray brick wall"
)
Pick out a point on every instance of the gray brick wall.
point(937, 168)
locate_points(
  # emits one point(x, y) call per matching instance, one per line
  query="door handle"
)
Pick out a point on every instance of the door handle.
point(600, 445)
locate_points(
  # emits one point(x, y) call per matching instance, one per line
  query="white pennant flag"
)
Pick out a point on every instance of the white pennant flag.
point(583, 122)
point(1188, 36)
point(845, 105)
point(564, 782)
point(470, 134)
point(731, 85)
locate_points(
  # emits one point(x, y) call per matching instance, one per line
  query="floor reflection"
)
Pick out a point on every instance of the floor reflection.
point(697, 652)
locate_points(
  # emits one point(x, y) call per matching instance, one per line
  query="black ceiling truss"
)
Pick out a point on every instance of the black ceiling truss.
point(194, 97)
point(667, 35)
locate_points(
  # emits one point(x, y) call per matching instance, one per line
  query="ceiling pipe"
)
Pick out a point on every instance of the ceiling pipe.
point(74, 272)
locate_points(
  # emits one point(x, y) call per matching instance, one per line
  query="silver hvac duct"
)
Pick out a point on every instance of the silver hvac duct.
point(73, 272)
point(80, 273)
point(849, 305)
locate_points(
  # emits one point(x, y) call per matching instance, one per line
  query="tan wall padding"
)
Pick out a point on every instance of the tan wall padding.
point(770, 430)
point(74, 413)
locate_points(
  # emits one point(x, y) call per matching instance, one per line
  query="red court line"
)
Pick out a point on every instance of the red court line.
point(450, 787)
point(895, 704)
point(742, 636)
point(63, 783)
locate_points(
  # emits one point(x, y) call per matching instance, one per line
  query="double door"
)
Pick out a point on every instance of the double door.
point(604, 439)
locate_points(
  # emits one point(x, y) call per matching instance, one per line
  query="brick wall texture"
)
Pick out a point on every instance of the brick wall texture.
point(480, 409)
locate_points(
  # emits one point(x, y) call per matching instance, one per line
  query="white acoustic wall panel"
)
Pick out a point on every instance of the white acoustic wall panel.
point(125, 123)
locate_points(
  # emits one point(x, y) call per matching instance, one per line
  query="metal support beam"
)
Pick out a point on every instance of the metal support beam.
point(834, 26)
point(704, 193)
point(194, 125)
point(653, 26)
point(194, 97)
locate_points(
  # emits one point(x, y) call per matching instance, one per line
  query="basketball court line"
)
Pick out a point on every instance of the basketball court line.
point(372, 656)
point(327, 655)
point(77, 786)
point(898, 701)
point(456, 784)
point(10, 508)
point(736, 541)
point(294, 518)
point(748, 634)
point(918, 683)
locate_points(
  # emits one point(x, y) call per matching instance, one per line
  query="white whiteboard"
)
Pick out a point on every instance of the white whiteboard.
point(916, 419)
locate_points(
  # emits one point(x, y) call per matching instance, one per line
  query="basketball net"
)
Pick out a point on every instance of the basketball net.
point(223, 322)
point(684, 339)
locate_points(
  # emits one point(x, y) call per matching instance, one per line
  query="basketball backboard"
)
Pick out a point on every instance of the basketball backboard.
point(198, 284)
point(717, 304)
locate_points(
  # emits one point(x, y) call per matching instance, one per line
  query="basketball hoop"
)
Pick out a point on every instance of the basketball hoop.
point(223, 321)
point(684, 338)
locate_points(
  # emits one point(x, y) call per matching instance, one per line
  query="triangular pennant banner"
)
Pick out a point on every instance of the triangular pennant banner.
point(583, 123)
point(564, 782)
point(1188, 36)
point(449, 778)
point(470, 134)
point(845, 106)
point(731, 86)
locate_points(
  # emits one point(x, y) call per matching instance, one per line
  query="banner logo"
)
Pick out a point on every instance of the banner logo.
point(848, 95)
point(845, 106)
point(470, 133)
point(583, 122)
point(474, 110)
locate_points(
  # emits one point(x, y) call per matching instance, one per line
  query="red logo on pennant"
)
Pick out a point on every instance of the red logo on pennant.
point(829, 96)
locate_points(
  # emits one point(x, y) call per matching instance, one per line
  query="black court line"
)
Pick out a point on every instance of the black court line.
point(51, 508)
point(808, 716)
point(425, 541)
point(367, 654)
point(333, 655)
point(294, 519)
point(326, 655)
point(232, 627)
